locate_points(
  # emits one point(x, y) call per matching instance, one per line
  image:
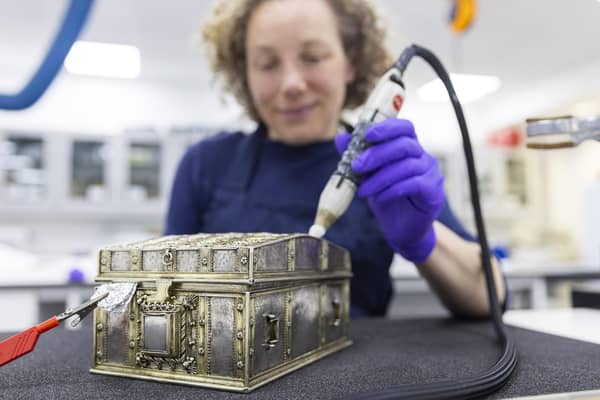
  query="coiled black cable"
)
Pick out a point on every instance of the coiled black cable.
point(498, 374)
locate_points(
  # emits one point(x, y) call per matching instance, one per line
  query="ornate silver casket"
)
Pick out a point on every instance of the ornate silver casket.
point(228, 311)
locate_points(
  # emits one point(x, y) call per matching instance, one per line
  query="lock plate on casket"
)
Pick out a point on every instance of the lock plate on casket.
point(227, 311)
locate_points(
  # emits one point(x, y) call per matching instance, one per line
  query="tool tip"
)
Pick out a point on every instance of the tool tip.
point(317, 231)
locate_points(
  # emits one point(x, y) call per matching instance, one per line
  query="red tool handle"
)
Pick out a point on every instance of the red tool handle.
point(22, 343)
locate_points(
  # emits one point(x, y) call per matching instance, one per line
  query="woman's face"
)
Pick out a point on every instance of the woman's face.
point(297, 69)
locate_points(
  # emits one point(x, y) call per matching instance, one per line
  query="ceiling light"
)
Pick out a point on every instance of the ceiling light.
point(103, 59)
point(468, 88)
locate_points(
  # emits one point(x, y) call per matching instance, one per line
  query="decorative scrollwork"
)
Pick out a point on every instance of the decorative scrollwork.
point(141, 298)
point(141, 360)
point(160, 307)
point(147, 361)
point(185, 360)
point(190, 365)
point(190, 302)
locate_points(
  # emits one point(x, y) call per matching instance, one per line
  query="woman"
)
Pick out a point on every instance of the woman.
point(294, 65)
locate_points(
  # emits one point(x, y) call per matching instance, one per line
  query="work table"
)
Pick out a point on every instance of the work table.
point(385, 353)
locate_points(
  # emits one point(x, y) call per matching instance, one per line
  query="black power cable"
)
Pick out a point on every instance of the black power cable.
point(498, 374)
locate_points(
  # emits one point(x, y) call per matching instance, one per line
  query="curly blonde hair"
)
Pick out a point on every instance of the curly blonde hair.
point(361, 32)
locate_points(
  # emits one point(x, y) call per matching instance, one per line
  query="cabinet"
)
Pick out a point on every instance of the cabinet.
point(22, 167)
point(71, 192)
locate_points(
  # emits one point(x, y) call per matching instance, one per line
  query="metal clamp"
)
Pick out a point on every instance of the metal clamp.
point(82, 310)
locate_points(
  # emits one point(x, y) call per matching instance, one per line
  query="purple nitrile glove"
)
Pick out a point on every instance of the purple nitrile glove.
point(402, 184)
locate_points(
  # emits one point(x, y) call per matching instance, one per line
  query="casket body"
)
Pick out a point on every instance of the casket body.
point(227, 311)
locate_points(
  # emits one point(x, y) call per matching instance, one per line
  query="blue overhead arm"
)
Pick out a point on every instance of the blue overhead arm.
point(73, 22)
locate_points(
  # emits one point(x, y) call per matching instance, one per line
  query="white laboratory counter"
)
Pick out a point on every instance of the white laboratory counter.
point(574, 323)
point(532, 287)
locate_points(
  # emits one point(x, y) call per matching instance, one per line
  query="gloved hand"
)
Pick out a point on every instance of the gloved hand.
point(402, 184)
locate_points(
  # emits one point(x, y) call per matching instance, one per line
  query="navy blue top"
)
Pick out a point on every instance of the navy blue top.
point(234, 182)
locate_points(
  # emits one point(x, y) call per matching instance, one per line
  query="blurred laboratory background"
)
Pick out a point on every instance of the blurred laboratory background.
point(91, 163)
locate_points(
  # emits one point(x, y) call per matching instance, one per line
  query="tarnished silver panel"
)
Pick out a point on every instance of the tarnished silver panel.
point(119, 261)
point(221, 335)
point(334, 312)
point(155, 334)
point(225, 261)
point(117, 337)
point(305, 320)
point(336, 259)
point(307, 254)
point(187, 261)
point(269, 345)
point(273, 257)
point(152, 261)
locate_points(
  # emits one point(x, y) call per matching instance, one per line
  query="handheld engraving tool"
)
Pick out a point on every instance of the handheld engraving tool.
point(110, 297)
point(340, 189)
point(384, 102)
